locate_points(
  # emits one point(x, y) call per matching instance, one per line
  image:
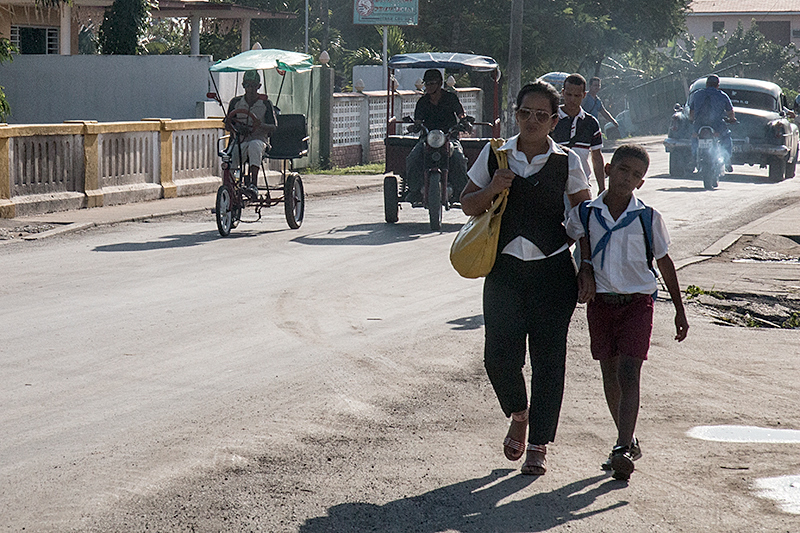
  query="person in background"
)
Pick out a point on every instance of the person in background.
point(594, 106)
point(436, 110)
point(712, 107)
point(580, 131)
point(254, 135)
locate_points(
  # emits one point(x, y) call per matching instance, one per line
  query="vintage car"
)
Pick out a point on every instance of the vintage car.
point(763, 135)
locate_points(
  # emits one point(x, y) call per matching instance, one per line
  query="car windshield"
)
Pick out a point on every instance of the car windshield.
point(751, 99)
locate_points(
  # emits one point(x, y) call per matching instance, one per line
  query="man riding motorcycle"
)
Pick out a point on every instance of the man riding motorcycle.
point(437, 110)
point(711, 107)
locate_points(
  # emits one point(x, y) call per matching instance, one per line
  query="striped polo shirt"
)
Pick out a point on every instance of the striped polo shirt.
point(580, 133)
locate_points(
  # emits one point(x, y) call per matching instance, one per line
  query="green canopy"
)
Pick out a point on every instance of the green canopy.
point(264, 60)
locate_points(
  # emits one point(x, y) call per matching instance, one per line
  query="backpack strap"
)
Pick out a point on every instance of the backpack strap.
point(646, 218)
point(584, 210)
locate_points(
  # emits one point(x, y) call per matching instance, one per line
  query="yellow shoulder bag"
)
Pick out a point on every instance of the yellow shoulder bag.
point(474, 249)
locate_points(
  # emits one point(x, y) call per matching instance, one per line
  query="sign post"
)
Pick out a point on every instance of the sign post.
point(386, 13)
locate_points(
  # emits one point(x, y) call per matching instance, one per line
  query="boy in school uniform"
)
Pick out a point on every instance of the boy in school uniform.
point(617, 280)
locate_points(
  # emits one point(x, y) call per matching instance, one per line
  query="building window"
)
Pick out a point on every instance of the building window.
point(718, 26)
point(778, 31)
point(35, 40)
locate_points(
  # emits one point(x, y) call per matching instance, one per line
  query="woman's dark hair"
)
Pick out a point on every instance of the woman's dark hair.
point(540, 87)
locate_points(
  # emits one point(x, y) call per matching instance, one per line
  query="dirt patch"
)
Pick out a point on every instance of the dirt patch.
point(11, 230)
point(753, 309)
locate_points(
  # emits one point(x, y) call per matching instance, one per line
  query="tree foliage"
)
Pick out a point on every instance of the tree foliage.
point(6, 49)
point(123, 25)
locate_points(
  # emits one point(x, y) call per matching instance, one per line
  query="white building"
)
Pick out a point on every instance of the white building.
point(778, 20)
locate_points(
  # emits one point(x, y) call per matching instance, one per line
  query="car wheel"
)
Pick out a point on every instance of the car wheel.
point(679, 162)
point(791, 167)
point(777, 169)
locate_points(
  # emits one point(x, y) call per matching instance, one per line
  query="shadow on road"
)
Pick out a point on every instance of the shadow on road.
point(467, 323)
point(177, 241)
point(475, 505)
point(697, 182)
point(373, 234)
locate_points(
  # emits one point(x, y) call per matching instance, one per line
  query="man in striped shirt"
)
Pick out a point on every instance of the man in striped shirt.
point(580, 131)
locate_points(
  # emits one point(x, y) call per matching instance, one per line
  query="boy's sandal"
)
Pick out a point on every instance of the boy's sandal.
point(535, 463)
point(512, 448)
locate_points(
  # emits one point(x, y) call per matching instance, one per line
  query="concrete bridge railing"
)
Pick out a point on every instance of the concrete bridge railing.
point(57, 167)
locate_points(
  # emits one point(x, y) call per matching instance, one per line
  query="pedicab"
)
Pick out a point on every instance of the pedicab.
point(288, 142)
point(437, 195)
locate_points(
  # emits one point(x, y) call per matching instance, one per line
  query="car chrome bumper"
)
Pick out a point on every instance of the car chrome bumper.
point(772, 150)
point(739, 147)
point(671, 144)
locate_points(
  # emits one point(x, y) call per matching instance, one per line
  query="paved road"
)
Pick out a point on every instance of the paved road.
point(330, 379)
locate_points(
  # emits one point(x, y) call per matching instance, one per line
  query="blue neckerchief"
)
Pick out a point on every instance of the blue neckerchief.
point(601, 244)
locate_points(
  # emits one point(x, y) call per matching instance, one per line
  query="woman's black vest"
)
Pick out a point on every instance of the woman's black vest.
point(535, 208)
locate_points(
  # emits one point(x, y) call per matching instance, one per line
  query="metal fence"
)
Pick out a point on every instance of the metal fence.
point(359, 121)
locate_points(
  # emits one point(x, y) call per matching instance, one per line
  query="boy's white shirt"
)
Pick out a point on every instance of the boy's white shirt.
point(520, 247)
point(625, 268)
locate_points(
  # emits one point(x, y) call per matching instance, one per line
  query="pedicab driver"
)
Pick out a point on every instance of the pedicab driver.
point(255, 139)
point(437, 110)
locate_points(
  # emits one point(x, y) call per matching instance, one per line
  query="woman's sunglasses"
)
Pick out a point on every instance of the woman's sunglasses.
point(539, 116)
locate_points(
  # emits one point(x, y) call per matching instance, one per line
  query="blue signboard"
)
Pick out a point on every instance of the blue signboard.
point(386, 12)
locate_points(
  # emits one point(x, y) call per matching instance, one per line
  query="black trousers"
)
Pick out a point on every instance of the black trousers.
point(529, 301)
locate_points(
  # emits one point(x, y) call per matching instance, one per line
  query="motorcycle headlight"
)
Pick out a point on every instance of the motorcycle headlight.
point(436, 139)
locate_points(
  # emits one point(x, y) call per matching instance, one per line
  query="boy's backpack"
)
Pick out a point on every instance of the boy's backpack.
point(645, 217)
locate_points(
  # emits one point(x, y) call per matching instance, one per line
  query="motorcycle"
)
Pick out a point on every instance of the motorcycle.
point(710, 157)
point(439, 146)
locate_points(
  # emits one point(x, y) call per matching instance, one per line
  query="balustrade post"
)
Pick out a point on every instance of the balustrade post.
point(7, 208)
point(91, 165)
point(168, 187)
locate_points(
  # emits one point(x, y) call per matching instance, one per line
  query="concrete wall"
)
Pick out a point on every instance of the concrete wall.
point(48, 89)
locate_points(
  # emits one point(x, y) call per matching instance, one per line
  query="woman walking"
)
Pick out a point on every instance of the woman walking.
point(531, 292)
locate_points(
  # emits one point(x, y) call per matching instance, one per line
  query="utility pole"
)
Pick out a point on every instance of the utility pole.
point(514, 63)
point(326, 25)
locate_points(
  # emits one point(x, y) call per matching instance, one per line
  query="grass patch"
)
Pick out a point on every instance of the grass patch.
point(793, 322)
point(693, 291)
point(368, 169)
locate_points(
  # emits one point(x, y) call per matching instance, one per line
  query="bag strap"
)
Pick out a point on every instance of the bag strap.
point(497, 158)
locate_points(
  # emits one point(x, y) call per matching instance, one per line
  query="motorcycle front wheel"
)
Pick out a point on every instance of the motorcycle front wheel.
point(435, 200)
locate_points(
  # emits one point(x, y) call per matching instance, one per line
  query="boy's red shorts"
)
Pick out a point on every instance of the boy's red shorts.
point(620, 325)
